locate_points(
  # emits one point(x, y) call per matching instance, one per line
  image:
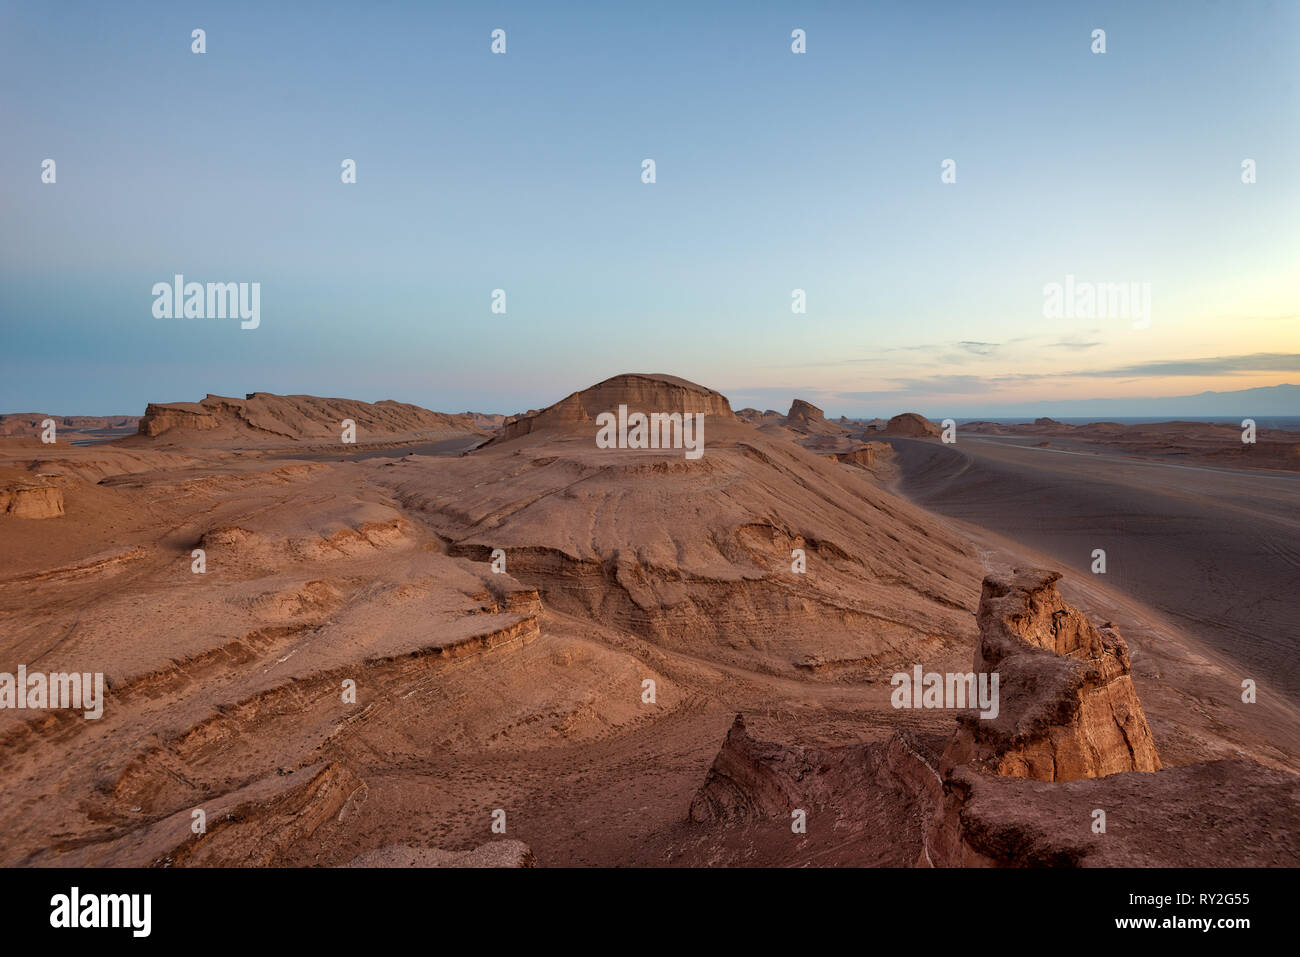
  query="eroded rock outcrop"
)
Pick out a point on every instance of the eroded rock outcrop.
point(1068, 706)
point(752, 779)
point(23, 500)
point(264, 417)
point(1024, 788)
point(850, 797)
point(806, 417)
point(640, 392)
point(187, 416)
point(33, 423)
point(911, 425)
point(868, 455)
point(1233, 813)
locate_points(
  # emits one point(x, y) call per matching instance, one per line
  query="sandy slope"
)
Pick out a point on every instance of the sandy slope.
point(1216, 551)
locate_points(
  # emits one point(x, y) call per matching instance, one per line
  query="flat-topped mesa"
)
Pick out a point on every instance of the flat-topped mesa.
point(911, 425)
point(22, 424)
point(267, 417)
point(1068, 708)
point(160, 417)
point(640, 392)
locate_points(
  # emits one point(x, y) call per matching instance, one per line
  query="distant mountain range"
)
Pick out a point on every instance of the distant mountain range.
point(1273, 400)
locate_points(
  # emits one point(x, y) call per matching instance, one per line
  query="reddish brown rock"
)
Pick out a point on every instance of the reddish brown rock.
point(806, 417)
point(1233, 813)
point(863, 804)
point(640, 392)
point(263, 418)
point(32, 424)
point(1068, 708)
point(23, 500)
point(911, 425)
point(868, 456)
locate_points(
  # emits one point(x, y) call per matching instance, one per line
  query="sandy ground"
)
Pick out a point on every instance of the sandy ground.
point(1216, 551)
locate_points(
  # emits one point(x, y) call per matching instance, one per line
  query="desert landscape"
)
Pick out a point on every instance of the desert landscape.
point(704, 459)
point(466, 639)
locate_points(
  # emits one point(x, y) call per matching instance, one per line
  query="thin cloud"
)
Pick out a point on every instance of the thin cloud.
point(1217, 365)
point(980, 348)
point(974, 384)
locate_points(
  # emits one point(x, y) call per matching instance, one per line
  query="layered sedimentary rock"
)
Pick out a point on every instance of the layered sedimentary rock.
point(753, 779)
point(264, 417)
point(640, 392)
point(806, 417)
point(33, 423)
point(864, 804)
point(187, 416)
point(1066, 775)
point(1068, 706)
point(867, 455)
point(759, 553)
point(29, 494)
point(31, 501)
point(1228, 813)
point(911, 425)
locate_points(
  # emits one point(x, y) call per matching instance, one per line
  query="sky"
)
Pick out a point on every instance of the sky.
point(774, 172)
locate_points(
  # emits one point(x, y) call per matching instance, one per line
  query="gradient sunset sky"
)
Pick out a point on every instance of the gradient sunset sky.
point(775, 171)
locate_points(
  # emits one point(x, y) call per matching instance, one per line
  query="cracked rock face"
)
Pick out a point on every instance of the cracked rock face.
point(1068, 706)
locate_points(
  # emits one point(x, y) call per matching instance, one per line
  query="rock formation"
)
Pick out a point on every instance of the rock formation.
point(868, 455)
point(1068, 707)
point(1021, 789)
point(187, 416)
point(806, 417)
point(912, 425)
point(640, 392)
point(263, 418)
point(25, 500)
point(694, 553)
point(383, 648)
point(31, 423)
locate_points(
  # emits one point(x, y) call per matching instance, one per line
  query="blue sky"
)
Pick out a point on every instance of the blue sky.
point(521, 171)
